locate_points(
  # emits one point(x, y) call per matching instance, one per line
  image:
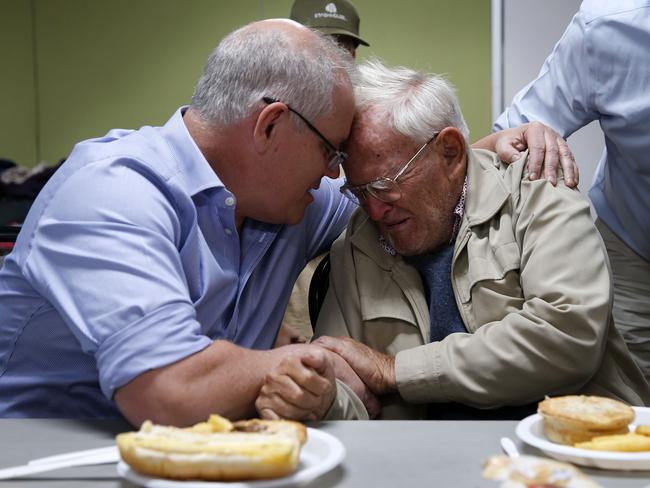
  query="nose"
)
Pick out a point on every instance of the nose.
point(375, 208)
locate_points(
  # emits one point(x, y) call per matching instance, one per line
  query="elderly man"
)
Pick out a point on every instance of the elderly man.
point(461, 284)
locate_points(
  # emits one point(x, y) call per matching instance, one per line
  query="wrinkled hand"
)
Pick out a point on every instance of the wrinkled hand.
point(376, 370)
point(546, 147)
point(344, 372)
point(301, 387)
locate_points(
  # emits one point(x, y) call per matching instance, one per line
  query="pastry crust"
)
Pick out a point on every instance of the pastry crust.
point(215, 450)
point(579, 418)
point(527, 471)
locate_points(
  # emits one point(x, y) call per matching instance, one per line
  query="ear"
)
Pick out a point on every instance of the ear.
point(451, 148)
point(265, 132)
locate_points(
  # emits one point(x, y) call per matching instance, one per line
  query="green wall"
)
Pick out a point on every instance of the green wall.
point(17, 95)
point(77, 68)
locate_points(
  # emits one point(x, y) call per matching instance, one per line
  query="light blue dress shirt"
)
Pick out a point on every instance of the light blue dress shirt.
point(130, 260)
point(600, 70)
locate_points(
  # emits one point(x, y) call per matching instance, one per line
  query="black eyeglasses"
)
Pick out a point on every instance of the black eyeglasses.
point(385, 188)
point(338, 157)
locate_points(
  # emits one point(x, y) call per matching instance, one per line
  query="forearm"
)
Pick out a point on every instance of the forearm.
point(510, 362)
point(223, 378)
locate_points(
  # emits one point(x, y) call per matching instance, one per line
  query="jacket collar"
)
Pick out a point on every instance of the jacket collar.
point(364, 235)
point(486, 191)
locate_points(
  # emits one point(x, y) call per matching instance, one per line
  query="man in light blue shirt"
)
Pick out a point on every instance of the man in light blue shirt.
point(151, 253)
point(600, 70)
point(151, 275)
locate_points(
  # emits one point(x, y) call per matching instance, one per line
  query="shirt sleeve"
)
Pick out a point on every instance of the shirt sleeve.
point(562, 94)
point(346, 405)
point(326, 217)
point(112, 270)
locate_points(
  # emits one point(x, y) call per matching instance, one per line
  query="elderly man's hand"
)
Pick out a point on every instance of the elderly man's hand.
point(344, 372)
point(546, 148)
point(301, 387)
point(377, 370)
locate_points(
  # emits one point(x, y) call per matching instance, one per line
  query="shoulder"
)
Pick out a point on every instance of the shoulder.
point(114, 186)
point(593, 12)
point(343, 244)
point(145, 150)
point(326, 217)
point(328, 200)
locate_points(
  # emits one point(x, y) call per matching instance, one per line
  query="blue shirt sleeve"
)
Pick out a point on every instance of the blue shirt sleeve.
point(326, 217)
point(112, 270)
point(562, 94)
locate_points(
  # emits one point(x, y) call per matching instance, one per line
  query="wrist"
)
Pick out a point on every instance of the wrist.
point(390, 379)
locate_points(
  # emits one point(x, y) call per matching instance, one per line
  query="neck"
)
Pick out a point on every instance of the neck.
point(225, 150)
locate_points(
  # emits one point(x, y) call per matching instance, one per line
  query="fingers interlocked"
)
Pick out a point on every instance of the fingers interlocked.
point(301, 387)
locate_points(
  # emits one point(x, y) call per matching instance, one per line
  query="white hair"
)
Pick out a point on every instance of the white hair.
point(416, 104)
point(251, 63)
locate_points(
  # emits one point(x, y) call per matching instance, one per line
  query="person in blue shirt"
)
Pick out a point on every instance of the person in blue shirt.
point(157, 263)
point(600, 70)
point(150, 277)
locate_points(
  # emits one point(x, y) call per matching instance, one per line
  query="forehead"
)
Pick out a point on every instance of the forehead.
point(375, 150)
point(336, 124)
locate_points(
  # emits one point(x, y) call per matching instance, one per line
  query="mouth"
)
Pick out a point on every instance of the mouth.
point(394, 224)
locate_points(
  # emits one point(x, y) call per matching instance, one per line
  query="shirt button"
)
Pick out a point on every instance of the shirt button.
point(228, 232)
point(230, 201)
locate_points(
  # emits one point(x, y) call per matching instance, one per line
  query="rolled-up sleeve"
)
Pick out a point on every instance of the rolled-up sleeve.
point(113, 271)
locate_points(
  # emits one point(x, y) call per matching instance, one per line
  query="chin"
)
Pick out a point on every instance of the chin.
point(409, 246)
point(295, 216)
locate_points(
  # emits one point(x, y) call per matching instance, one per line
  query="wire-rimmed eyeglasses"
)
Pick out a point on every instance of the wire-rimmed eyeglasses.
point(338, 156)
point(385, 188)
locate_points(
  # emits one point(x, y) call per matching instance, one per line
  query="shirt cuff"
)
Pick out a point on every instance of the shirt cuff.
point(347, 405)
point(162, 337)
point(417, 372)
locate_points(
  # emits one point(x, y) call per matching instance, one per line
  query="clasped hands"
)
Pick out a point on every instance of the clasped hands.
point(302, 386)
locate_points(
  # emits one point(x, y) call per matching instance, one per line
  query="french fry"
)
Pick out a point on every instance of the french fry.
point(631, 442)
point(643, 430)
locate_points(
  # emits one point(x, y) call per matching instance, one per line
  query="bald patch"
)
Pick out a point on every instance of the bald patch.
point(293, 30)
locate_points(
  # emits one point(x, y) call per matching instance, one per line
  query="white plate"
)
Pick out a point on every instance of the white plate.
point(321, 453)
point(531, 431)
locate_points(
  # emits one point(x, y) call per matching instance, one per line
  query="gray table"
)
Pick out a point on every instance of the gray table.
point(379, 454)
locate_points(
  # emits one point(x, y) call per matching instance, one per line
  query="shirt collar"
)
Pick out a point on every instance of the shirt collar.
point(194, 171)
point(459, 211)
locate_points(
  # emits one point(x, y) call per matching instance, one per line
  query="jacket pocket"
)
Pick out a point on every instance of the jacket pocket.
point(388, 294)
point(492, 264)
point(391, 307)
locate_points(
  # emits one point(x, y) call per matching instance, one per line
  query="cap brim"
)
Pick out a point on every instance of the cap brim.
point(341, 32)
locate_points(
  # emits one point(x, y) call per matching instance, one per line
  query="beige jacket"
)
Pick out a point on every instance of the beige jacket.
point(532, 285)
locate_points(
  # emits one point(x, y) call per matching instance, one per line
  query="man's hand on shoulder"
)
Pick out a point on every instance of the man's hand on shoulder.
point(547, 149)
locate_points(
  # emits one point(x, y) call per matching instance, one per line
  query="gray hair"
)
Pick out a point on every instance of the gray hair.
point(416, 104)
point(251, 63)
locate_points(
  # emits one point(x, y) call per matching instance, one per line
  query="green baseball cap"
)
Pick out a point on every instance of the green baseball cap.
point(337, 17)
